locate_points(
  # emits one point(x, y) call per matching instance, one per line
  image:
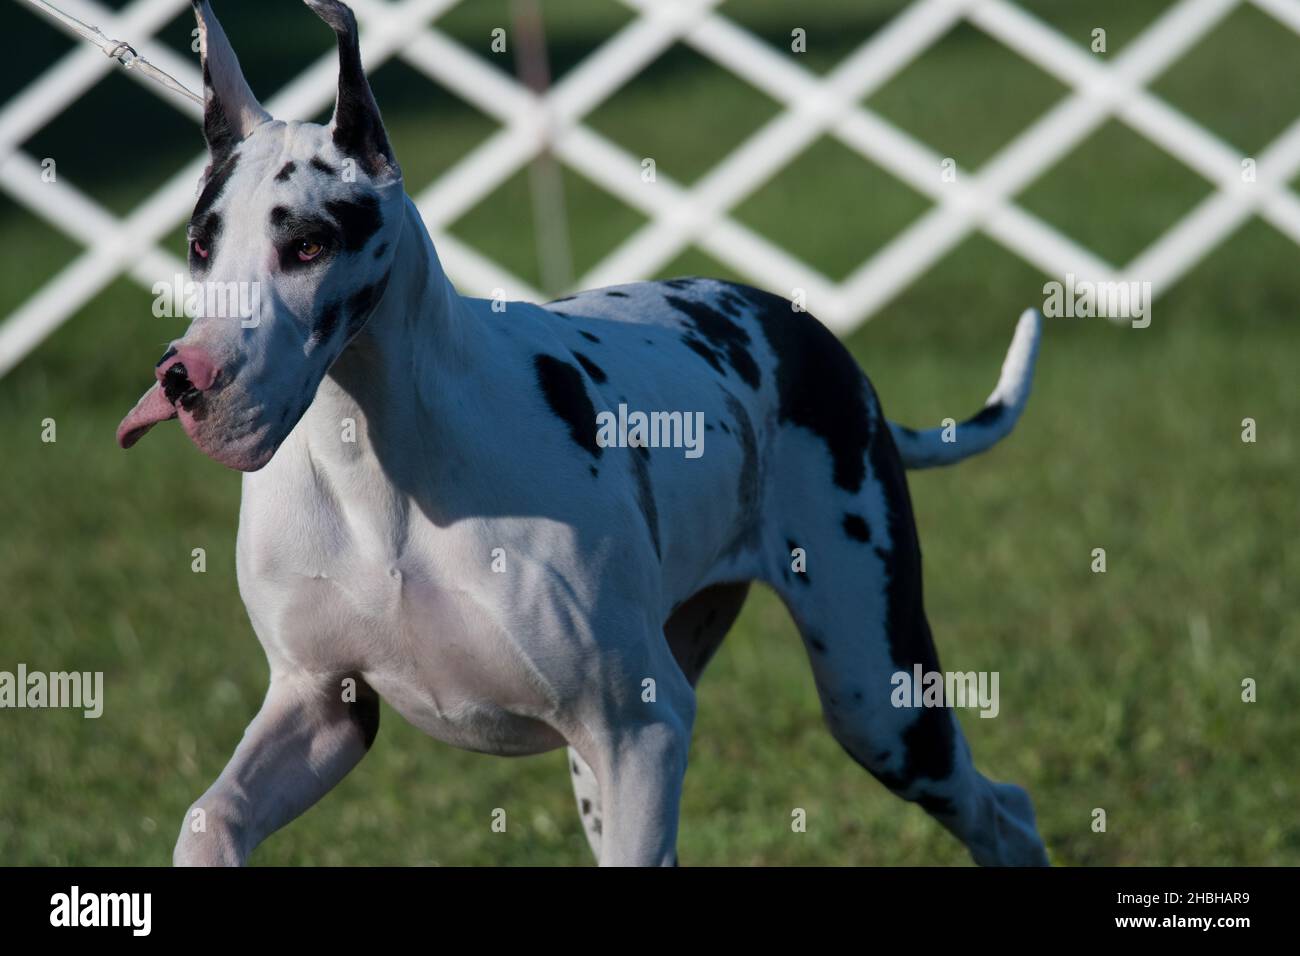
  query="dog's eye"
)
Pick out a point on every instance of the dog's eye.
point(199, 248)
point(309, 250)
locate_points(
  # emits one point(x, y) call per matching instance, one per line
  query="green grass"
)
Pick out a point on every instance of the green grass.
point(1119, 691)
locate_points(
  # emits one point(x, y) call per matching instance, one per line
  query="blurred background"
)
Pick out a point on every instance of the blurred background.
point(1119, 691)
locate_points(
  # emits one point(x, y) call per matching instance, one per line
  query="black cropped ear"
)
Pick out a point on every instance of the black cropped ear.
point(357, 129)
point(230, 110)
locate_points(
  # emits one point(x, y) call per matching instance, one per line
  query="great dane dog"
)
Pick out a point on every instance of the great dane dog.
point(433, 513)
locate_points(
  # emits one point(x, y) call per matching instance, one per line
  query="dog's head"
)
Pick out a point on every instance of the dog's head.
point(290, 247)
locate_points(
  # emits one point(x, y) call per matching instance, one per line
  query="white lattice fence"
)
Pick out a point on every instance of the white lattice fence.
point(682, 216)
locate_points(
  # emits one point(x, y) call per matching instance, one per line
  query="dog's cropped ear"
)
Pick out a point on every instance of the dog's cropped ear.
point(357, 129)
point(230, 110)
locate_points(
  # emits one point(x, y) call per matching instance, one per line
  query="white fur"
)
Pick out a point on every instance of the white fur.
point(930, 449)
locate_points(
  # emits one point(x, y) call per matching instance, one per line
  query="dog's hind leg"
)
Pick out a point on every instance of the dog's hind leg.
point(308, 734)
point(858, 605)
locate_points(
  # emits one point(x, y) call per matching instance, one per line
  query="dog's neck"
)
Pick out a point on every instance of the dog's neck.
point(403, 383)
point(420, 321)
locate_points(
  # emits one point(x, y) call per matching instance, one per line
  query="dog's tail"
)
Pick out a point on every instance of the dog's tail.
point(944, 446)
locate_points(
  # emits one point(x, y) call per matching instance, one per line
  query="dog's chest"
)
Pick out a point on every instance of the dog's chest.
point(325, 596)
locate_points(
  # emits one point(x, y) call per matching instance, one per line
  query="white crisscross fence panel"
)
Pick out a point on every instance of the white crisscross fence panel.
point(680, 216)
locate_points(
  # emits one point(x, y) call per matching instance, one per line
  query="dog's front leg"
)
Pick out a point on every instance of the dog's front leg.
point(310, 731)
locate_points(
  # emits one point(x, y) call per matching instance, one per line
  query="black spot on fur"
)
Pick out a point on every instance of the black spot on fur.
point(562, 387)
point(576, 771)
point(362, 302)
point(326, 323)
point(364, 298)
point(646, 495)
point(380, 250)
point(320, 165)
point(595, 472)
point(211, 230)
point(567, 298)
point(819, 384)
point(817, 645)
point(286, 171)
point(616, 295)
point(930, 741)
point(730, 303)
point(596, 825)
point(724, 337)
point(213, 188)
point(595, 371)
point(988, 415)
point(906, 626)
point(589, 337)
point(929, 744)
point(586, 806)
point(680, 283)
point(748, 532)
point(359, 219)
point(856, 528)
point(704, 352)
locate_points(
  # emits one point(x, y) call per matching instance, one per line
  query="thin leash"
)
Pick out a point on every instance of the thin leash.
point(119, 50)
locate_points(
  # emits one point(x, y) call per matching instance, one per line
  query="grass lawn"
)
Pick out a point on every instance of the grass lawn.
point(1119, 691)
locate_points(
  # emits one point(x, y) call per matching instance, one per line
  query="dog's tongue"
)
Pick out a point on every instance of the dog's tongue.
point(152, 408)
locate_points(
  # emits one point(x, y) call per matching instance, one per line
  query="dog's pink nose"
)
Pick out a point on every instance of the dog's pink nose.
point(185, 373)
point(199, 370)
